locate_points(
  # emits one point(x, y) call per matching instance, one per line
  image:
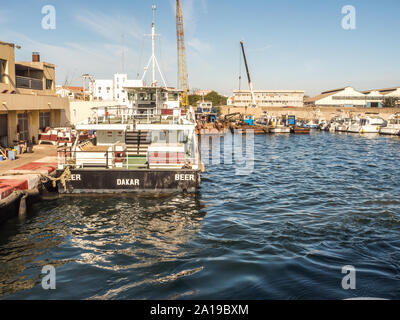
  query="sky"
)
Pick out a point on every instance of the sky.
point(290, 44)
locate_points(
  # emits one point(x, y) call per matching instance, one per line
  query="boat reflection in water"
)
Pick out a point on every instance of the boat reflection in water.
point(123, 242)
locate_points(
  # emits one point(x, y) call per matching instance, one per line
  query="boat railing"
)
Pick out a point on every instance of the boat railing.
point(109, 159)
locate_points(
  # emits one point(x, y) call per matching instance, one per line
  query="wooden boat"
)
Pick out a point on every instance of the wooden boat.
point(243, 128)
point(300, 130)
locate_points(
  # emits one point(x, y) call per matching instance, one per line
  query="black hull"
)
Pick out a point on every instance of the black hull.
point(91, 181)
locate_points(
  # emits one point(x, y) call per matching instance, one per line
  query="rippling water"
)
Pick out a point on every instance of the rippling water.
point(312, 205)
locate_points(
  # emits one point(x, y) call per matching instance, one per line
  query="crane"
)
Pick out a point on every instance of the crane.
point(253, 97)
point(182, 71)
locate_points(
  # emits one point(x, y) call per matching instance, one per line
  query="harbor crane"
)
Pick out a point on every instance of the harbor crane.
point(253, 97)
point(182, 71)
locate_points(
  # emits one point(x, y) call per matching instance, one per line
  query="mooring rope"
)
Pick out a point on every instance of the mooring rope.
point(63, 178)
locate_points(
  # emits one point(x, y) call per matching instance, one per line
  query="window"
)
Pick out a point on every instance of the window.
point(2, 70)
point(49, 84)
point(99, 89)
point(108, 89)
point(44, 120)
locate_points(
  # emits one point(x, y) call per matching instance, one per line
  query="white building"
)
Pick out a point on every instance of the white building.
point(103, 90)
point(114, 90)
point(349, 97)
point(269, 98)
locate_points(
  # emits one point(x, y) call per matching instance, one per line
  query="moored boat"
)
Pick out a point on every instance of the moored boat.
point(149, 146)
point(393, 126)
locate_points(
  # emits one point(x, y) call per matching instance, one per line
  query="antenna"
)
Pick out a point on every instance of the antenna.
point(123, 52)
point(154, 8)
point(153, 59)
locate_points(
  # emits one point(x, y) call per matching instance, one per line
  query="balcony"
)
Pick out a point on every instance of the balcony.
point(28, 83)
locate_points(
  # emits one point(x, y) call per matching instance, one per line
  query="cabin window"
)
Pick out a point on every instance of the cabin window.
point(2, 70)
point(172, 97)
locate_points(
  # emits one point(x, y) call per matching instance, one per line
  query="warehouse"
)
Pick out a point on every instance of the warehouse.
point(349, 97)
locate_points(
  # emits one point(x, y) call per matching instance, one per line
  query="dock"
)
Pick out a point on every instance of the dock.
point(21, 180)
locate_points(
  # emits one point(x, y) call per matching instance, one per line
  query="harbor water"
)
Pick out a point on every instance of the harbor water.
point(312, 205)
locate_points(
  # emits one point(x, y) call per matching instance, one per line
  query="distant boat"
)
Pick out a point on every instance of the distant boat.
point(393, 126)
point(367, 124)
point(276, 125)
point(300, 130)
point(344, 125)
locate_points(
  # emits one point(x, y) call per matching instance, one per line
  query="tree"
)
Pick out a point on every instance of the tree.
point(390, 102)
point(193, 99)
point(216, 99)
point(213, 96)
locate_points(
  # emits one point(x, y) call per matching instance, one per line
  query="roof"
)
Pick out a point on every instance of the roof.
point(321, 96)
point(73, 88)
point(382, 91)
point(269, 91)
point(7, 43)
point(35, 65)
point(334, 90)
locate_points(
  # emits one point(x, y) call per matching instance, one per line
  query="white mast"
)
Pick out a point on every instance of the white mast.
point(153, 59)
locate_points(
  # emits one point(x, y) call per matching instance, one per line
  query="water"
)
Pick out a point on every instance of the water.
point(312, 205)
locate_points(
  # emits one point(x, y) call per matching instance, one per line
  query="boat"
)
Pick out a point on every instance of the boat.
point(149, 146)
point(367, 124)
point(393, 126)
point(312, 124)
point(276, 125)
point(299, 130)
point(246, 124)
point(343, 125)
point(323, 125)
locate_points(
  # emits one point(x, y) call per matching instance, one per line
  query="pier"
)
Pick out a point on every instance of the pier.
point(21, 180)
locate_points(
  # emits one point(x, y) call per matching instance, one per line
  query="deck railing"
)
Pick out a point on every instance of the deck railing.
point(29, 83)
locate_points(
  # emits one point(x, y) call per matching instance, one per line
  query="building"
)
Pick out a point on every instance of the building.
point(114, 90)
point(202, 92)
point(269, 98)
point(349, 97)
point(72, 93)
point(28, 99)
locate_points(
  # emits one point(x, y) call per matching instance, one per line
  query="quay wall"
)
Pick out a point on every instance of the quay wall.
point(307, 113)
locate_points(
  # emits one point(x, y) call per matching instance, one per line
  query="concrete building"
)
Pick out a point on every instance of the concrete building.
point(202, 92)
point(114, 90)
point(349, 97)
point(269, 98)
point(72, 93)
point(28, 99)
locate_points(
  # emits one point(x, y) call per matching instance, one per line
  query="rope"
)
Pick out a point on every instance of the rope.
point(63, 178)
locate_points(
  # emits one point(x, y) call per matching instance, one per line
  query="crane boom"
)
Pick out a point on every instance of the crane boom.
point(253, 98)
point(182, 71)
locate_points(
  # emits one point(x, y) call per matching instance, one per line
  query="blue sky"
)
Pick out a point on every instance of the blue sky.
point(291, 44)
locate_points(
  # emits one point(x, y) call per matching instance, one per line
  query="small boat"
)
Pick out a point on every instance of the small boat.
point(367, 124)
point(313, 124)
point(343, 125)
point(393, 126)
point(300, 130)
point(276, 125)
point(323, 125)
